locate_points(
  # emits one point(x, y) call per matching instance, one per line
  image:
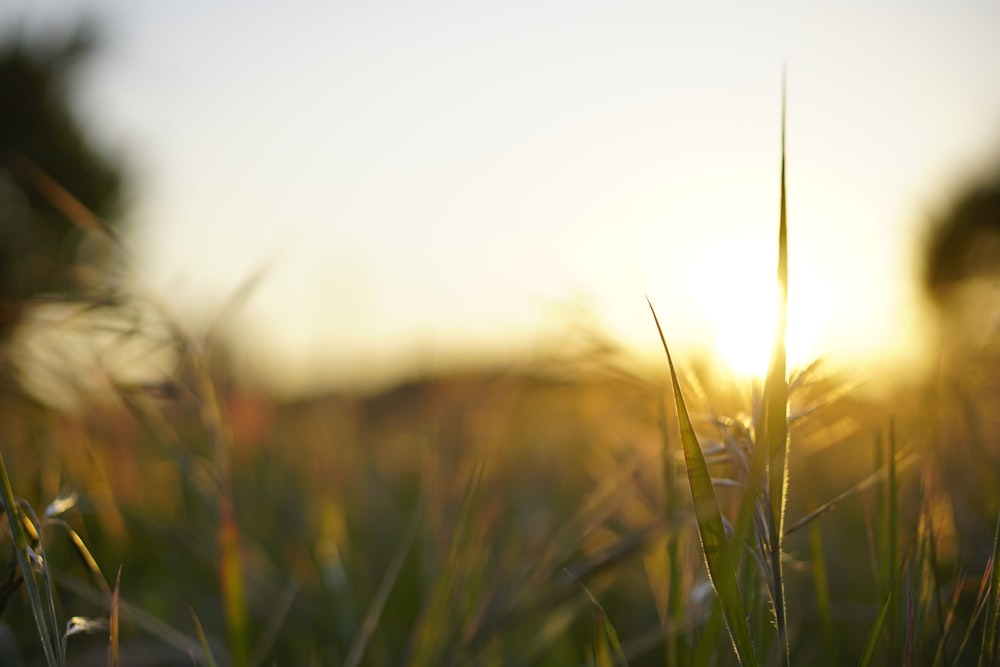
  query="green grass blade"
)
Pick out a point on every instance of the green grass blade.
point(374, 613)
point(774, 408)
point(605, 636)
point(721, 570)
point(821, 587)
point(49, 600)
point(231, 579)
point(887, 606)
point(988, 653)
point(203, 640)
point(871, 480)
point(48, 635)
point(113, 621)
point(892, 510)
point(437, 628)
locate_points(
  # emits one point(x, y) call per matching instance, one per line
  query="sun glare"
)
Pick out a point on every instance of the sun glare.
point(738, 291)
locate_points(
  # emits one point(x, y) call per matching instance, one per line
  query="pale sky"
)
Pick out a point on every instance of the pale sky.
point(426, 181)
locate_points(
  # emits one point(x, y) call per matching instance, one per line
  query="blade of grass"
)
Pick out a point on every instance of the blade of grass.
point(50, 643)
point(437, 627)
point(874, 478)
point(949, 620)
point(276, 619)
point(231, 577)
point(821, 586)
point(722, 573)
point(43, 558)
point(883, 613)
point(81, 548)
point(203, 640)
point(774, 405)
point(981, 600)
point(892, 508)
point(114, 619)
point(988, 652)
point(357, 652)
point(606, 637)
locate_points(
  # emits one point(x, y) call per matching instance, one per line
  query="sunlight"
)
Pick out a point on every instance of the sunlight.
point(736, 289)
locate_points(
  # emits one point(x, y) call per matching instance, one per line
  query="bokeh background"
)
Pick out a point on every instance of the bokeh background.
point(421, 186)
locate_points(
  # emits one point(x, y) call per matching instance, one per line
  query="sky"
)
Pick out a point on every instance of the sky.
point(420, 184)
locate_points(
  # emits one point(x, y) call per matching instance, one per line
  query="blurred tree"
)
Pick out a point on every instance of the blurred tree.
point(961, 275)
point(54, 185)
point(964, 243)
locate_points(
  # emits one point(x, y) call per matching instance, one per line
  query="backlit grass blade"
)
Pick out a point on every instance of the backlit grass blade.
point(114, 619)
point(231, 577)
point(774, 413)
point(46, 576)
point(988, 654)
point(874, 478)
point(721, 569)
point(892, 534)
point(438, 626)
point(203, 640)
point(606, 642)
point(374, 613)
point(821, 588)
point(48, 634)
point(887, 606)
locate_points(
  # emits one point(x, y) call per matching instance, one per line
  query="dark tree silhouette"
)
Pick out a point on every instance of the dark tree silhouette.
point(965, 242)
point(53, 183)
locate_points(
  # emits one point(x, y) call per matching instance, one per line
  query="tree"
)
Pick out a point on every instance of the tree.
point(965, 242)
point(54, 184)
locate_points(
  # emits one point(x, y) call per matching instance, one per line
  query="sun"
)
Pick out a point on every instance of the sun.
point(736, 288)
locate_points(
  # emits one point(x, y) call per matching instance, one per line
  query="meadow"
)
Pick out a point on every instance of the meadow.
point(563, 512)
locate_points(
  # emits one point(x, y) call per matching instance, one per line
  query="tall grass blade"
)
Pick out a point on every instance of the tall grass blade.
point(892, 509)
point(721, 568)
point(887, 606)
point(606, 642)
point(203, 640)
point(231, 577)
point(774, 408)
point(114, 619)
point(988, 653)
point(357, 652)
point(821, 586)
point(438, 625)
point(51, 645)
point(84, 553)
point(43, 568)
point(949, 620)
point(874, 478)
point(276, 619)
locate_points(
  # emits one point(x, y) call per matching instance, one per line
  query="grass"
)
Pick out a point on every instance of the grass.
point(499, 518)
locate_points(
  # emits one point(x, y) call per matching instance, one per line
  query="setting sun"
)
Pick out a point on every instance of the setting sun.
point(736, 289)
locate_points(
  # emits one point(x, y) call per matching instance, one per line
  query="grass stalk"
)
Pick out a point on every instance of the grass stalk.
point(988, 650)
point(715, 544)
point(775, 415)
point(892, 534)
point(114, 619)
point(357, 651)
point(884, 612)
point(48, 632)
point(821, 589)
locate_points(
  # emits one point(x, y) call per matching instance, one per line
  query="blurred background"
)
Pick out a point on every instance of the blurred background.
point(414, 188)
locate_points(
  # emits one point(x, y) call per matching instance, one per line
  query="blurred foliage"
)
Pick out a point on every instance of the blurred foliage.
point(54, 184)
point(964, 241)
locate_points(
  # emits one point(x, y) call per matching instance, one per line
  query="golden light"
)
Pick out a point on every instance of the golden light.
point(736, 288)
